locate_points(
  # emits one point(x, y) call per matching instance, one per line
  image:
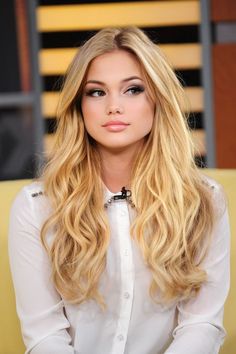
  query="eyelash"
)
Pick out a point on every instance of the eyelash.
point(91, 93)
point(137, 89)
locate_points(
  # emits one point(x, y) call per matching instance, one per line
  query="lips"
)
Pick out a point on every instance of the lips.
point(115, 122)
point(115, 126)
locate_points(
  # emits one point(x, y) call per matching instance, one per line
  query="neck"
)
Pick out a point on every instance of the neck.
point(116, 168)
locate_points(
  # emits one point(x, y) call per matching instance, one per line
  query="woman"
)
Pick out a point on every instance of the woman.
point(123, 246)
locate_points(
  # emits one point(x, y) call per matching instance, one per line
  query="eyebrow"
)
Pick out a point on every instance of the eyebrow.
point(103, 83)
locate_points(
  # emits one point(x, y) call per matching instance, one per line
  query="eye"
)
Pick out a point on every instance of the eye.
point(95, 93)
point(135, 90)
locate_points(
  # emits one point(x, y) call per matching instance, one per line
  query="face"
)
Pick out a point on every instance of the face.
point(117, 110)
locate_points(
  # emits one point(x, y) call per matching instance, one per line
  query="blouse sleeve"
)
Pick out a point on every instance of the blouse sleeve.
point(200, 320)
point(40, 308)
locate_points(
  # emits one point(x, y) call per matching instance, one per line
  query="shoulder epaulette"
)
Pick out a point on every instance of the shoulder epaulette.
point(36, 194)
point(208, 184)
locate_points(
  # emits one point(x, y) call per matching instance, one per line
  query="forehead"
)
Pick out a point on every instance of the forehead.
point(115, 63)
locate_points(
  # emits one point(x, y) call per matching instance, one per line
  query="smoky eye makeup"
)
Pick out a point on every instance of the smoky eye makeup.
point(94, 92)
point(135, 89)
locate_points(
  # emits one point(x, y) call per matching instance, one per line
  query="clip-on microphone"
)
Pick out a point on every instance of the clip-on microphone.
point(125, 194)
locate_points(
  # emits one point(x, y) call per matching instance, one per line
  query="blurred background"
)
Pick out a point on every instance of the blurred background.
point(39, 38)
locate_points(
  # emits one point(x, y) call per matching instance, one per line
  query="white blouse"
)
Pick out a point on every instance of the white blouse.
point(132, 322)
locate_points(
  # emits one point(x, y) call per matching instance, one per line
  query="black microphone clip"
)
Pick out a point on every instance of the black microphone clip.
point(125, 194)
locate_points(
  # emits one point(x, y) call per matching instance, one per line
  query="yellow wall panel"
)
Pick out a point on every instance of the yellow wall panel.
point(195, 96)
point(54, 61)
point(184, 56)
point(96, 16)
point(49, 103)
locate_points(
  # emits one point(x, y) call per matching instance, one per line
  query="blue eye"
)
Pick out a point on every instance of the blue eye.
point(95, 93)
point(135, 90)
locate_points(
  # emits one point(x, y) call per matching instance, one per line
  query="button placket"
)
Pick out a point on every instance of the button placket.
point(126, 252)
point(127, 277)
point(120, 337)
point(123, 213)
point(126, 295)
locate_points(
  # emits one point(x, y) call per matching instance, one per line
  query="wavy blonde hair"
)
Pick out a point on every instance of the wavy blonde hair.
point(174, 209)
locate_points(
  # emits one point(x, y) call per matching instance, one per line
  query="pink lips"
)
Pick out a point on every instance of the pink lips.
point(115, 126)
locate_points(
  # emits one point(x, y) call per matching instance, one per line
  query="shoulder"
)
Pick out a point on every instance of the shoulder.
point(28, 193)
point(34, 189)
point(210, 182)
point(30, 209)
point(30, 202)
point(217, 193)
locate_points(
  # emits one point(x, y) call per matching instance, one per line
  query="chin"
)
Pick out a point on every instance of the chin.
point(120, 147)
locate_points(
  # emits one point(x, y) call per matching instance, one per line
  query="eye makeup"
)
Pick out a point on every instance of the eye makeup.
point(94, 92)
point(135, 89)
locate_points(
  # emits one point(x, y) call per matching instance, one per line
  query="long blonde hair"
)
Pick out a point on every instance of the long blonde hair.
point(174, 209)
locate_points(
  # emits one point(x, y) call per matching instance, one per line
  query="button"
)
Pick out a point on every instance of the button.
point(126, 295)
point(120, 337)
point(123, 213)
point(126, 252)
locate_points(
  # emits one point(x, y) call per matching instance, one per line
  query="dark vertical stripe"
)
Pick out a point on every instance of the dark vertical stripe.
point(224, 75)
point(9, 69)
point(23, 44)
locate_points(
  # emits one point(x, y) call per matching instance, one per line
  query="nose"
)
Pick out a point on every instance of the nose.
point(114, 107)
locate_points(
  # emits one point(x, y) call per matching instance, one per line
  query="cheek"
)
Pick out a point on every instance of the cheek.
point(87, 110)
point(91, 111)
point(148, 113)
point(91, 116)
